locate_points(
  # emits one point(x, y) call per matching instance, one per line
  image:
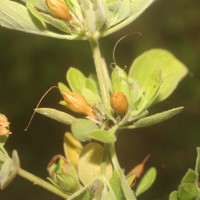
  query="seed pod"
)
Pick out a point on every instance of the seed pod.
point(119, 103)
point(77, 103)
point(59, 9)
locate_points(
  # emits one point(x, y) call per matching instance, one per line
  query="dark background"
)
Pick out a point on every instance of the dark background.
point(29, 65)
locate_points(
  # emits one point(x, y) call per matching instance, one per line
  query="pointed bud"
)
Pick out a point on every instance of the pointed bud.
point(119, 102)
point(136, 171)
point(77, 103)
point(59, 9)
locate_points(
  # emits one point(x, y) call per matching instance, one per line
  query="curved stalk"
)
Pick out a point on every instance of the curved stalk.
point(38, 181)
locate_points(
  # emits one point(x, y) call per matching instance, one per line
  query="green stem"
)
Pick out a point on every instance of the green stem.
point(102, 73)
point(38, 181)
point(114, 158)
point(125, 187)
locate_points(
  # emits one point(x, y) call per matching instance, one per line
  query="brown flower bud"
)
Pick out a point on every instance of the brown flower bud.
point(59, 9)
point(77, 103)
point(119, 102)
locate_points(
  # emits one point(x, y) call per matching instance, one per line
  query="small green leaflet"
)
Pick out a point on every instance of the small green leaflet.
point(147, 181)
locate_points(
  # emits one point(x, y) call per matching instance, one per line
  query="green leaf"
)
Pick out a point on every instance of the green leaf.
point(150, 90)
point(89, 15)
point(135, 91)
point(187, 191)
point(173, 195)
point(103, 136)
point(62, 87)
point(82, 128)
point(76, 79)
point(56, 115)
point(119, 80)
point(91, 91)
point(16, 16)
point(133, 8)
point(89, 164)
point(147, 181)
point(91, 98)
point(115, 182)
point(189, 177)
point(35, 13)
point(170, 68)
point(57, 23)
point(157, 118)
point(39, 4)
point(9, 170)
point(91, 86)
point(92, 83)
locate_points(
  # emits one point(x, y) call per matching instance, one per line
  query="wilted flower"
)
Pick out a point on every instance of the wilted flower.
point(4, 125)
point(77, 103)
point(81, 19)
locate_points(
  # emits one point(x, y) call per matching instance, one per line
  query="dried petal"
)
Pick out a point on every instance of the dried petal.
point(55, 158)
point(4, 123)
point(136, 171)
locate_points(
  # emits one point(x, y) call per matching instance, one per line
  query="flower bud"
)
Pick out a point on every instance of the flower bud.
point(59, 9)
point(119, 102)
point(67, 182)
point(64, 174)
point(77, 103)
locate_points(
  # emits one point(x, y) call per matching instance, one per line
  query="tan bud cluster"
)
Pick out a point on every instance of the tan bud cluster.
point(77, 103)
point(119, 102)
point(59, 9)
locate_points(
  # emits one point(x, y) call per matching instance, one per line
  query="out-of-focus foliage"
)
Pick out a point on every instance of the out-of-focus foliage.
point(29, 65)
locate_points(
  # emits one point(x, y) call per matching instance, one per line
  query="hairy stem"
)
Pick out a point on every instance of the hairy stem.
point(38, 181)
point(102, 73)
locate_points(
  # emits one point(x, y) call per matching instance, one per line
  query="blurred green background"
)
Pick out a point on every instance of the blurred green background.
point(29, 65)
